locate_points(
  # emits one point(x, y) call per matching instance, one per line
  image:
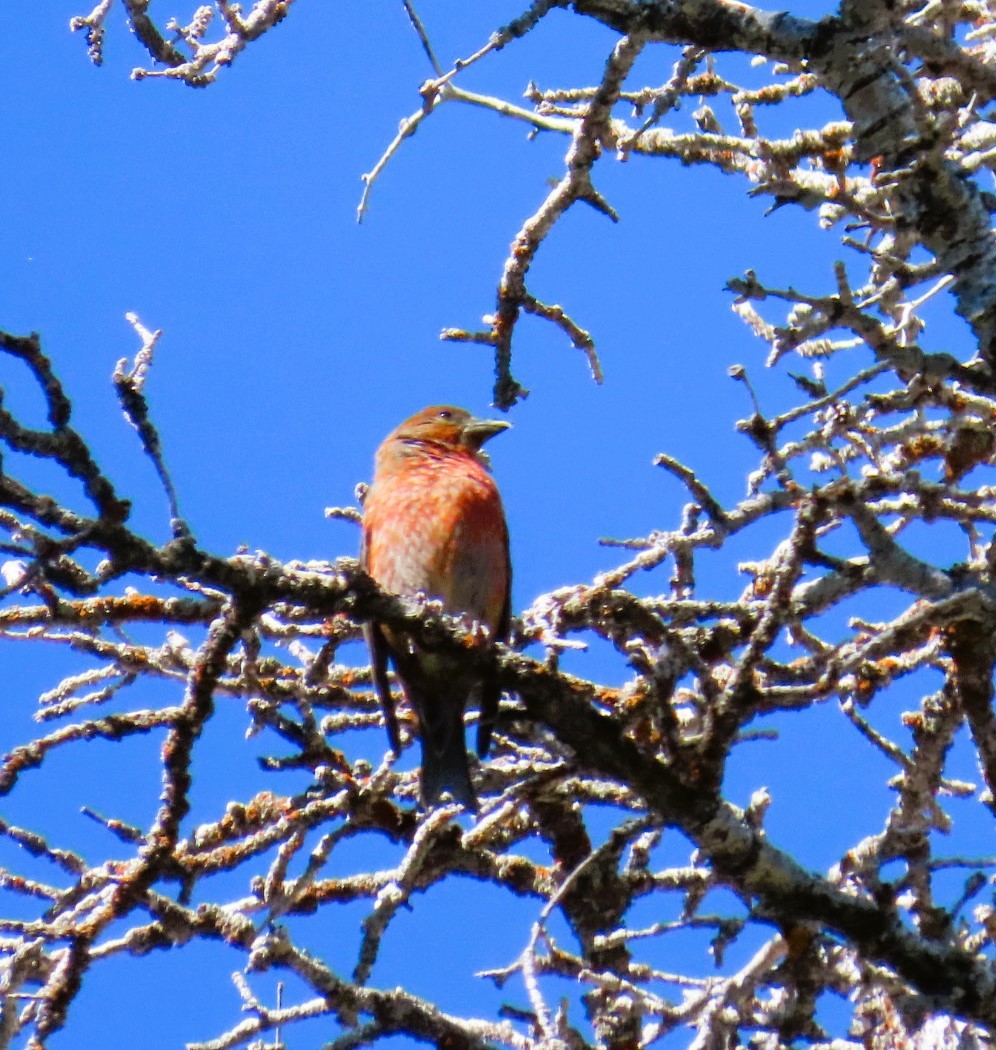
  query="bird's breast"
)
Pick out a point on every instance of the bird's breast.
point(438, 528)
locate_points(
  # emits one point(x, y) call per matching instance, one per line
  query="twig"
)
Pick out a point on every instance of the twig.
point(129, 386)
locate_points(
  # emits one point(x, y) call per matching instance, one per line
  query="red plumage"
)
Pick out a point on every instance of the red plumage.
point(433, 524)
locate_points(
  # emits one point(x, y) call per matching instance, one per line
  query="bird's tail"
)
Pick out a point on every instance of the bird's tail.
point(444, 756)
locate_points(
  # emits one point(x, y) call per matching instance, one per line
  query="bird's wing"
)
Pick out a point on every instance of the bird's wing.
point(379, 651)
point(490, 690)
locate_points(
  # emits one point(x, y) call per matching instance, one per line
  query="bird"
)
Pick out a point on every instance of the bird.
point(434, 525)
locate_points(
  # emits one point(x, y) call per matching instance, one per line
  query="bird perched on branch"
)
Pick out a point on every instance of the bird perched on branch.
point(433, 524)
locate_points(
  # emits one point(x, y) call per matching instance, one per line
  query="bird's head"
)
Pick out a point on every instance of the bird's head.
point(448, 426)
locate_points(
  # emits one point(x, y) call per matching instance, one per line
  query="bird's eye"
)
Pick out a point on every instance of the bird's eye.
point(445, 414)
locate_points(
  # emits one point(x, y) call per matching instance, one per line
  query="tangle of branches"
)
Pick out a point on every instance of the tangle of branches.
point(844, 478)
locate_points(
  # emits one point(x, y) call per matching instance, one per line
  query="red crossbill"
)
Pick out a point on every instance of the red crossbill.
point(433, 524)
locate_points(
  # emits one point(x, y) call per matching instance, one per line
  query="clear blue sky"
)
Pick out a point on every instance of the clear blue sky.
point(295, 339)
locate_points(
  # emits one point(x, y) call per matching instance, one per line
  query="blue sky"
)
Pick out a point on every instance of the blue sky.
point(295, 339)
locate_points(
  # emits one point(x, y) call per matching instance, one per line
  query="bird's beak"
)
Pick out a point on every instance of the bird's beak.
point(477, 431)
